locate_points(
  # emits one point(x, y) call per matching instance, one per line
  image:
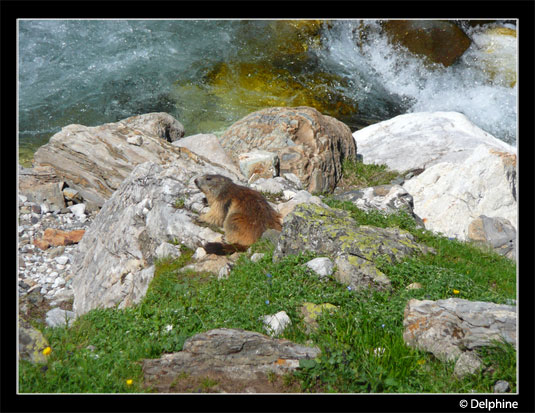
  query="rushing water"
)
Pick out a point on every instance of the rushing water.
point(95, 71)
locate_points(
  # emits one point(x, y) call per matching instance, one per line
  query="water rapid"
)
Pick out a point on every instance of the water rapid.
point(96, 71)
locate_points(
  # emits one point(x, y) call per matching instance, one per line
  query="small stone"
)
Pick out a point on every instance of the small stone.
point(276, 323)
point(36, 209)
point(135, 140)
point(71, 194)
point(56, 252)
point(257, 256)
point(224, 272)
point(58, 282)
point(501, 386)
point(322, 266)
point(167, 250)
point(311, 312)
point(467, 363)
point(414, 286)
point(62, 260)
point(22, 198)
point(199, 254)
point(78, 210)
point(59, 318)
point(287, 194)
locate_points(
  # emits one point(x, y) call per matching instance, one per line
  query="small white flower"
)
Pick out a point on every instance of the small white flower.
point(378, 351)
point(168, 327)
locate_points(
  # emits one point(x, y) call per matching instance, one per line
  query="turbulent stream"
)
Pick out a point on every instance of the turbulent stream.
point(210, 73)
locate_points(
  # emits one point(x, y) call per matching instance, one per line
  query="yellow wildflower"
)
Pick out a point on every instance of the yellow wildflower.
point(456, 291)
point(129, 382)
point(421, 362)
point(47, 351)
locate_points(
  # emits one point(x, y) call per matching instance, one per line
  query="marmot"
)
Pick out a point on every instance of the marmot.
point(243, 213)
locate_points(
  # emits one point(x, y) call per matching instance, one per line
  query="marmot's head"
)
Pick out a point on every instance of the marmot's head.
point(211, 184)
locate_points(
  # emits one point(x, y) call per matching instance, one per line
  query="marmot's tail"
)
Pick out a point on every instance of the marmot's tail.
point(223, 249)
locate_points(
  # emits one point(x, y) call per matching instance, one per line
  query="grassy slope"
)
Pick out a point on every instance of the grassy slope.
point(362, 345)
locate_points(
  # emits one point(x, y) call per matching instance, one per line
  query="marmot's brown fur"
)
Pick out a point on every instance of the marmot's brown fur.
point(243, 213)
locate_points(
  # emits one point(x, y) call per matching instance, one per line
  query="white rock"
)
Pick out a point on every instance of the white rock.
point(78, 210)
point(224, 272)
point(448, 196)
point(467, 363)
point(60, 281)
point(322, 266)
point(287, 195)
point(59, 318)
point(199, 254)
point(167, 250)
point(276, 323)
point(22, 198)
point(294, 179)
point(62, 260)
point(419, 140)
point(257, 256)
point(136, 140)
point(271, 185)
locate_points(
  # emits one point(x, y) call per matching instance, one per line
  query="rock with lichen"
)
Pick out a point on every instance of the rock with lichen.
point(355, 248)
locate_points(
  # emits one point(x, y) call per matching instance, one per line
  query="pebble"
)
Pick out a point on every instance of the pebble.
point(47, 271)
point(62, 260)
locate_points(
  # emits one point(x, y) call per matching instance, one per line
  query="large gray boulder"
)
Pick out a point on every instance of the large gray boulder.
point(310, 227)
point(154, 205)
point(308, 144)
point(447, 327)
point(95, 160)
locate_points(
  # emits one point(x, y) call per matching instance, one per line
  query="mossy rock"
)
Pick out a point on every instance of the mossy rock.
point(357, 248)
point(31, 343)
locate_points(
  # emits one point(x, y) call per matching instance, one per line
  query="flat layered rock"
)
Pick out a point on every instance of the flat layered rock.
point(230, 355)
point(446, 327)
point(95, 160)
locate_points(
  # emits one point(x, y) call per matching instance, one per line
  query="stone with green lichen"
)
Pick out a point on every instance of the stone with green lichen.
point(355, 248)
point(311, 312)
point(31, 343)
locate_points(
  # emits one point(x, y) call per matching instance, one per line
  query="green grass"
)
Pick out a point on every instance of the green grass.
point(356, 175)
point(362, 348)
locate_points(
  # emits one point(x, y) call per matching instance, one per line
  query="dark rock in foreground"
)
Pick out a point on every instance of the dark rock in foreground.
point(229, 355)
